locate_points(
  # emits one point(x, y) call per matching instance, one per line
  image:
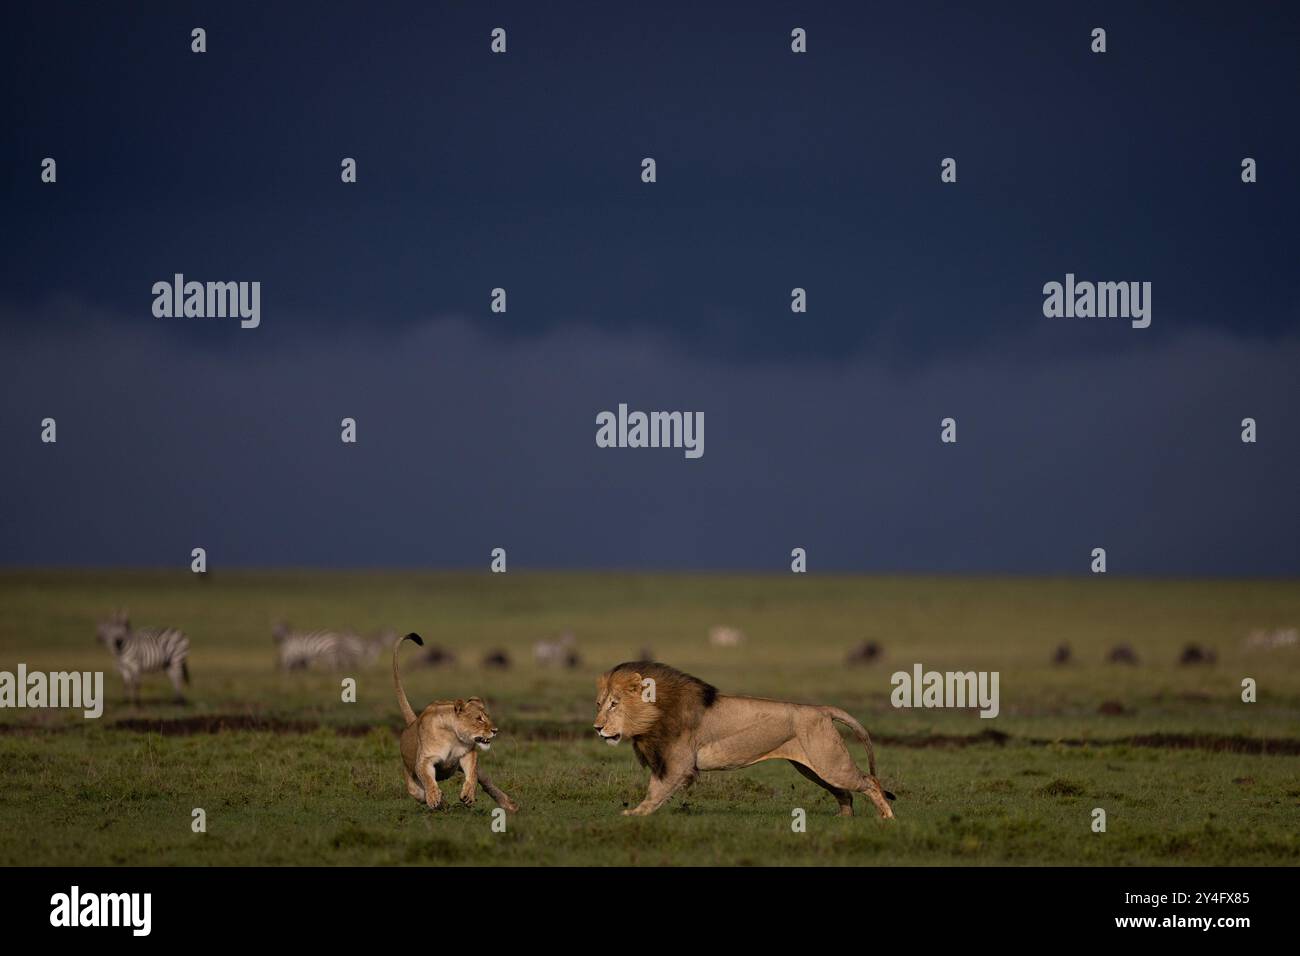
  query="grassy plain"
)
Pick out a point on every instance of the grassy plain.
point(287, 773)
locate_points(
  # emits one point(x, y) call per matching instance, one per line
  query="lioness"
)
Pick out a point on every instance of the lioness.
point(679, 725)
point(442, 740)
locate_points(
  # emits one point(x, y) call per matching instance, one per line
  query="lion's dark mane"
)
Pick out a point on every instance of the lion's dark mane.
point(680, 700)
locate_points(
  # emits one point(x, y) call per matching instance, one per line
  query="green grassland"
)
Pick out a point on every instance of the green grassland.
point(1187, 772)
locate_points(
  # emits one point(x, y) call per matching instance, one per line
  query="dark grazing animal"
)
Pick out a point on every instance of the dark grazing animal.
point(1195, 654)
point(864, 653)
point(497, 659)
point(436, 656)
point(1122, 654)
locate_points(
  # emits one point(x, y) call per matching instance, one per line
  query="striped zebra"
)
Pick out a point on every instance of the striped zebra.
point(322, 650)
point(145, 651)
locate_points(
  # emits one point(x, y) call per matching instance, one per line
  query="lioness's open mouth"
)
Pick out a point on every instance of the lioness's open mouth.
point(483, 743)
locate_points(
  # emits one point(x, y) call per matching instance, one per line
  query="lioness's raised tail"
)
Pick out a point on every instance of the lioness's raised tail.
point(407, 713)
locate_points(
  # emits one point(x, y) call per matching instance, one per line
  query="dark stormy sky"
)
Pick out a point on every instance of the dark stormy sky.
point(775, 170)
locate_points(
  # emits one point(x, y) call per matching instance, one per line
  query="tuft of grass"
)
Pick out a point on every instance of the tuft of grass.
point(1060, 788)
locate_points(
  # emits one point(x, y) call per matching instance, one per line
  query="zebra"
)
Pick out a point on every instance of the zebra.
point(325, 650)
point(563, 651)
point(145, 651)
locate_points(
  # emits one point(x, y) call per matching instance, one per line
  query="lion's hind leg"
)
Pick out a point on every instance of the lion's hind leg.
point(877, 796)
point(496, 793)
point(412, 785)
point(858, 782)
point(843, 797)
point(829, 758)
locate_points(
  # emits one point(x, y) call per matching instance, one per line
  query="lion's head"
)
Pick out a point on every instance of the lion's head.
point(473, 723)
point(623, 706)
point(652, 705)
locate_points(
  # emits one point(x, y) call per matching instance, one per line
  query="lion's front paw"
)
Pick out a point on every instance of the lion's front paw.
point(433, 801)
point(467, 797)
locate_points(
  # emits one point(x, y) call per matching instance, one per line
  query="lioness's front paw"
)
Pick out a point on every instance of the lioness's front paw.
point(433, 801)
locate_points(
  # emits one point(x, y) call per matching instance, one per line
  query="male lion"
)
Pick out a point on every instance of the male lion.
point(441, 741)
point(679, 725)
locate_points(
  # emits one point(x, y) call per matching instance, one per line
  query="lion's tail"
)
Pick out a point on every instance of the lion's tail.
point(407, 714)
point(848, 720)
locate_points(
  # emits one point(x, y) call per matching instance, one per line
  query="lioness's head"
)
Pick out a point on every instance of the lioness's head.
point(474, 724)
point(623, 708)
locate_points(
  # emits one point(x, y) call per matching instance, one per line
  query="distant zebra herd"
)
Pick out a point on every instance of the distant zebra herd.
point(152, 650)
point(326, 650)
